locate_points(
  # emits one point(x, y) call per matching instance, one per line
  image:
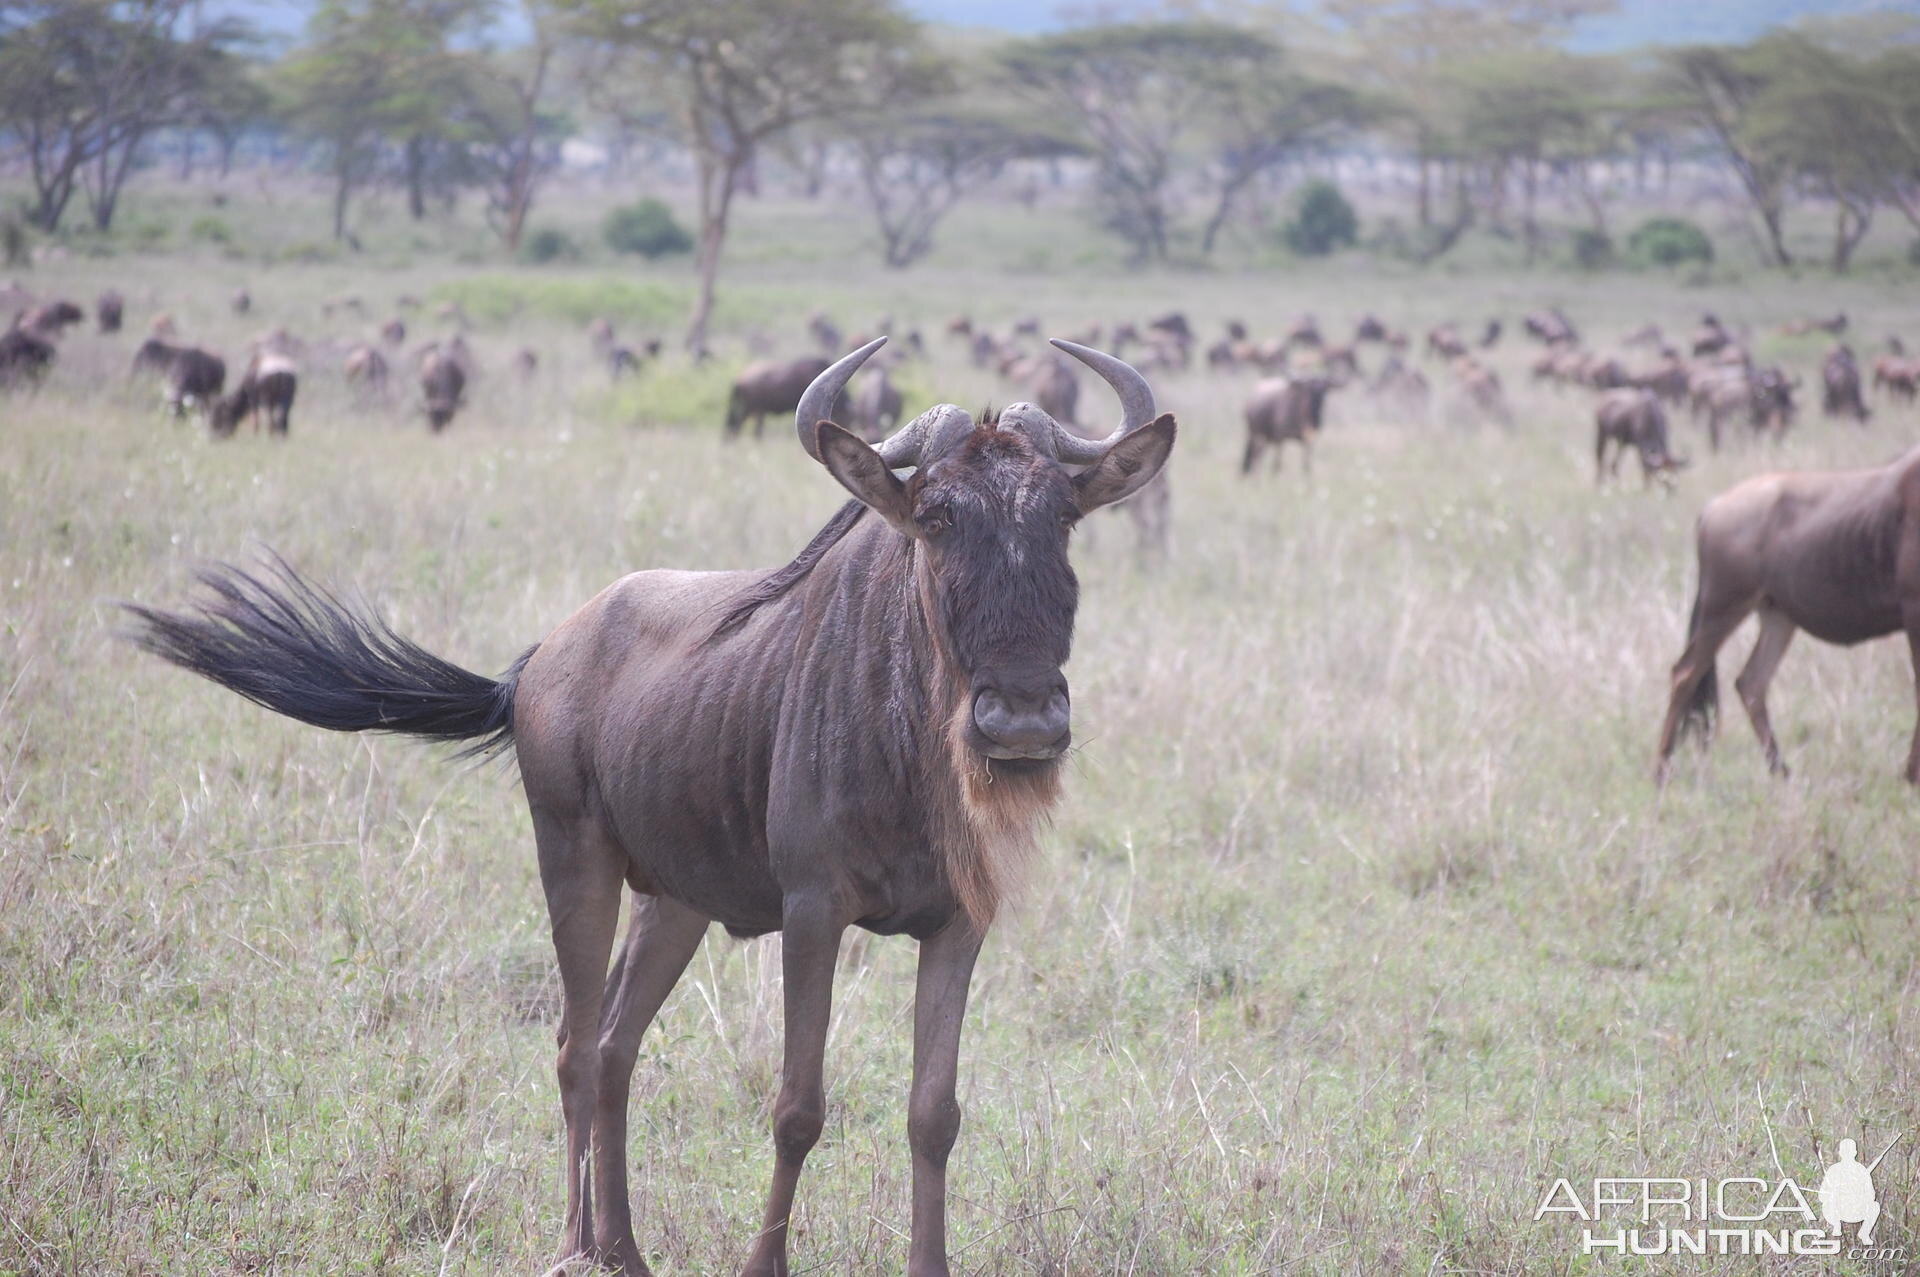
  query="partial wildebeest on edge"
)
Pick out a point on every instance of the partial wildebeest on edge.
point(268, 386)
point(24, 358)
point(864, 737)
point(773, 386)
point(1633, 418)
point(1835, 553)
point(1283, 408)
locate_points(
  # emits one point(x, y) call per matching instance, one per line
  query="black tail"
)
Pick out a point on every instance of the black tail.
point(285, 643)
point(1703, 707)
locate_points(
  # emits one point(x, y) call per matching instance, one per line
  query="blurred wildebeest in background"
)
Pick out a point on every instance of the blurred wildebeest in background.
point(193, 377)
point(267, 386)
point(51, 320)
point(1835, 553)
point(1840, 386)
point(443, 385)
point(108, 310)
point(242, 302)
point(875, 405)
point(24, 357)
point(394, 332)
point(366, 371)
point(773, 386)
point(1633, 418)
point(1282, 409)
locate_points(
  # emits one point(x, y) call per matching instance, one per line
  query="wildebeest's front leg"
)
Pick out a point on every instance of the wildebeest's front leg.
point(661, 939)
point(810, 943)
point(933, 1113)
point(1776, 631)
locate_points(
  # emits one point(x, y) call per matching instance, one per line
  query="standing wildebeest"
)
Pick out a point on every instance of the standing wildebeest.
point(1835, 553)
point(52, 319)
point(366, 370)
point(1633, 418)
point(875, 405)
point(1283, 408)
point(773, 386)
point(109, 309)
point(194, 377)
point(1551, 326)
point(443, 385)
point(23, 357)
point(268, 385)
point(864, 737)
point(1840, 383)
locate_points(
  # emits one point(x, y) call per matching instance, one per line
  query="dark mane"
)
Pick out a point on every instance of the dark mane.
point(777, 583)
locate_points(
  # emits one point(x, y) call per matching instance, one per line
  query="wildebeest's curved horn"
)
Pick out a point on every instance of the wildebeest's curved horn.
point(926, 436)
point(1136, 404)
point(816, 405)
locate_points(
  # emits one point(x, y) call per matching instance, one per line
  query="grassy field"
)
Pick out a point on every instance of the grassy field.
point(1360, 924)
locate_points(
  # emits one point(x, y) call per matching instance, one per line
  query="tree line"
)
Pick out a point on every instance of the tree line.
point(1180, 125)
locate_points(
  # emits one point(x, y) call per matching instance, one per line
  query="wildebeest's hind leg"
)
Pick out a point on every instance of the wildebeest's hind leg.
point(1913, 645)
point(933, 1114)
point(1776, 631)
point(661, 938)
point(1695, 687)
point(1251, 456)
point(809, 945)
point(582, 872)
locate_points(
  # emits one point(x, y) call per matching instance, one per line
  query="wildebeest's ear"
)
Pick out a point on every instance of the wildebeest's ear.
point(1128, 466)
point(862, 472)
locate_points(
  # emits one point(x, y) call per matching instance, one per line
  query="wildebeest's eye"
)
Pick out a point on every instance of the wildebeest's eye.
point(936, 519)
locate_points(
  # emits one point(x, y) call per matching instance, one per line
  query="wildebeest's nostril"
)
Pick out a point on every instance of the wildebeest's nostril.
point(1034, 725)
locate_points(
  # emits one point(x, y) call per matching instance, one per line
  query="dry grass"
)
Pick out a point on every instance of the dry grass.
point(1360, 924)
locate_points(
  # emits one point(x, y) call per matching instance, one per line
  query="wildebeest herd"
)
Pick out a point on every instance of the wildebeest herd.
point(867, 735)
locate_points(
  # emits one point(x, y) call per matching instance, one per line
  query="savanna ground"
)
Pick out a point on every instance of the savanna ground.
point(1361, 922)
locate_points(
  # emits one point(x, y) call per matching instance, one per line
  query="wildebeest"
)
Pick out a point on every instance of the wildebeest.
point(24, 357)
point(1764, 395)
point(826, 334)
point(1282, 409)
point(1481, 389)
point(773, 386)
point(1834, 553)
point(193, 377)
point(1445, 342)
point(874, 406)
point(1633, 418)
point(864, 737)
point(1840, 386)
point(267, 386)
point(366, 370)
point(1490, 335)
point(1897, 376)
point(443, 386)
point(51, 319)
point(1551, 326)
point(1050, 380)
point(243, 301)
point(1711, 337)
point(526, 362)
point(394, 332)
point(109, 309)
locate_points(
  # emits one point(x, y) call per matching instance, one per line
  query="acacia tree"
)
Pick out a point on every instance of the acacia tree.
point(1137, 97)
point(1717, 90)
point(85, 83)
point(1520, 111)
point(738, 73)
point(511, 137)
point(917, 163)
point(1263, 112)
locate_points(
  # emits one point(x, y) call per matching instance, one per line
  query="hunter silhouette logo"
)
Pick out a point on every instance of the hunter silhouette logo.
point(1846, 1192)
point(1737, 1215)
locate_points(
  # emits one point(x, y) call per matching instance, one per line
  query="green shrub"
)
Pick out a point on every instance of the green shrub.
point(1668, 241)
point(1323, 222)
point(647, 228)
point(1592, 250)
point(549, 244)
point(208, 229)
